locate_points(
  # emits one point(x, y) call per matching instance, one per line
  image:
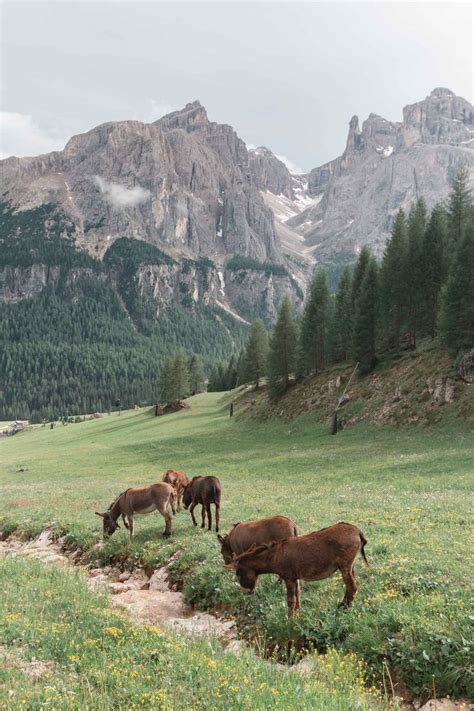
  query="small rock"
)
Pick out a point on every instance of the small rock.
point(305, 667)
point(236, 646)
point(124, 576)
point(95, 572)
point(446, 705)
point(158, 581)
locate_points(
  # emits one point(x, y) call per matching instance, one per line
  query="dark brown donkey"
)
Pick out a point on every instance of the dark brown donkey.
point(139, 500)
point(315, 556)
point(266, 530)
point(179, 482)
point(204, 490)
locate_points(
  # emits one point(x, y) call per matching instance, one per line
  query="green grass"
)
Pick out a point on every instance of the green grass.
point(99, 660)
point(409, 490)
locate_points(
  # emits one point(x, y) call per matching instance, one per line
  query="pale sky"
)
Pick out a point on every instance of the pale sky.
point(286, 75)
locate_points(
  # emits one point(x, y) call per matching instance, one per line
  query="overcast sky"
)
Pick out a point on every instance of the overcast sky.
point(285, 75)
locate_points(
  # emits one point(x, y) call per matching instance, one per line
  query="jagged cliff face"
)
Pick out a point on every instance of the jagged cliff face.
point(183, 184)
point(352, 200)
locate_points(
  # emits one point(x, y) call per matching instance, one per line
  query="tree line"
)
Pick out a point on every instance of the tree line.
point(423, 287)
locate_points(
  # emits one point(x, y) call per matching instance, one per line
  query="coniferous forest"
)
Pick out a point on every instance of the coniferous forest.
point(422, 288)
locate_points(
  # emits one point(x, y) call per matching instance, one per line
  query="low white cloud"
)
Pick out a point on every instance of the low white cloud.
point(21, 136)
point(120, 196)
point(292, 167)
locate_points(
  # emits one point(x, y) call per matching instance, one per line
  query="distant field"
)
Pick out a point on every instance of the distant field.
point(409, 490)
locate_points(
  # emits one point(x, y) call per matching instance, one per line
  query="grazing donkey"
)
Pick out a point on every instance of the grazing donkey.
point(266, 530)
point(179, 482)
point(315, 556)
point(204, 490)
point(139, 500)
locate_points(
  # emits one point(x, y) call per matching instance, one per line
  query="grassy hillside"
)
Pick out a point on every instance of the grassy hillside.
point(408, 490)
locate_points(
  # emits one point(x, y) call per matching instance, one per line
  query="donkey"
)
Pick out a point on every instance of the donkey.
point(265, 530)
point(139, 500)
point(204, 490)
point(315, 556)
point(179, 482)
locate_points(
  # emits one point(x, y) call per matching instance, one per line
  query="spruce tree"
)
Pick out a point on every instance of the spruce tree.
point(256, 354)
point(196, 373)
point(434, 267)
point(180, 375)
point(393, 281)
point(414, 268)
point(359, 271)
point(457, 300)
point(283, 348)
point(167, 387)
point(366, 319)
point(230, 375)
point(342, 322)
point(459, 207)
point(315, 327)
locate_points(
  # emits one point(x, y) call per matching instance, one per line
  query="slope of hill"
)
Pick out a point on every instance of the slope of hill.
point(414, 388)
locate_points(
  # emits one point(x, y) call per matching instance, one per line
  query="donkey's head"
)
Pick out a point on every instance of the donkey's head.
point(246, 567)
point(110, 525)
point(226, 548)
point(187, 498)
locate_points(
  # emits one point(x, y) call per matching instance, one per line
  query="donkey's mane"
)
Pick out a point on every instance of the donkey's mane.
point(118, 497)
point(257, 549)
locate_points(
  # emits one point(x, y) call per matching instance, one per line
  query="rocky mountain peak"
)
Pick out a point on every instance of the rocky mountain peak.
point(269, 172)
point(193, 116)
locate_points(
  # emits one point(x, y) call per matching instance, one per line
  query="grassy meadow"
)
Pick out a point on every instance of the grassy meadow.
point(409, 490)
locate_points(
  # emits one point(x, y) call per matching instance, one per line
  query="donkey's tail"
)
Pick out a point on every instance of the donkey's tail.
point(363, 541)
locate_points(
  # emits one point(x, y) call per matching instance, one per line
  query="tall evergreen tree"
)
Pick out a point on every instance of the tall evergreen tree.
point(230, 375)
point(196, 373)
point(256, 354)
point(315, 327)
point(358, 276)
point(180, 375)
point(393, 281)
point(341, 338)
point(167, 386)
point(283, 349)
point(366, 319)
point(414, 268)
point(457, 301)
point(459, 207)
point(434, 267)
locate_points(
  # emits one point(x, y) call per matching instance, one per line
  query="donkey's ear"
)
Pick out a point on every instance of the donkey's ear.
point(219, 538)
point(99, 514)
point(231, 566)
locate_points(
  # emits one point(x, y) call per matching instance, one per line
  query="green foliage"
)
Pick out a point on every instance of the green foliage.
point(255, 354)
point(414, 269)
point(459, 207)
point(366, 319)
point(283, 350)
point(341, 336)
point(239, 262)
point(175, 378)
point(435, 263)
point(394, 281)
point(196, 373)
point(457, 301)
point(315, 329)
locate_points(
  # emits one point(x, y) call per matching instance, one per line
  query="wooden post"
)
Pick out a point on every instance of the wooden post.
point(231, 409)
point(334, 417)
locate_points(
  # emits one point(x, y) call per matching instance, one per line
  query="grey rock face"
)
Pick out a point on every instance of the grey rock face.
point(386, 166)
point(269, 173)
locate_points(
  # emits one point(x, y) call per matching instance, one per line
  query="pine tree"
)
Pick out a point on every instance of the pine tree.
point(366, 319)
point(196, 373)
point(230, 375)
point(315, 327)
point(414, 268)
point(434, 267)
point(459, 207)
point(358, 276)
point(393, 281)
point(256, 354)
point(167, 388)
point(283, 348)
point(342, 322)
point(180, 375)
point(457, 300)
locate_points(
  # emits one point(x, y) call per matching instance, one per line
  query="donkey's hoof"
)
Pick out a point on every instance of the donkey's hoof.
point(166, 535)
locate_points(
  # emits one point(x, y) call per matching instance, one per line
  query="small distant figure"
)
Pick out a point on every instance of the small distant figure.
point(231, 409)
point(51, 426)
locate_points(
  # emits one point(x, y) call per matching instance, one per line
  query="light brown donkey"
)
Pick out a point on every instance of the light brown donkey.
point(315, 556)
point(139, 500)
point(179, 482)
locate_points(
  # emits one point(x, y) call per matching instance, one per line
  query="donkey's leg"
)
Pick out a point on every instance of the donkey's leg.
point(172, 500)
point(298, 594)
point(130, 525)
point(162, 508)
point(209, 516)
point(218, 512)
point(291, 595)
point(191, 511)
point(125, 523)
point(203, 515)
point(350, 583)
point(179, 497)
